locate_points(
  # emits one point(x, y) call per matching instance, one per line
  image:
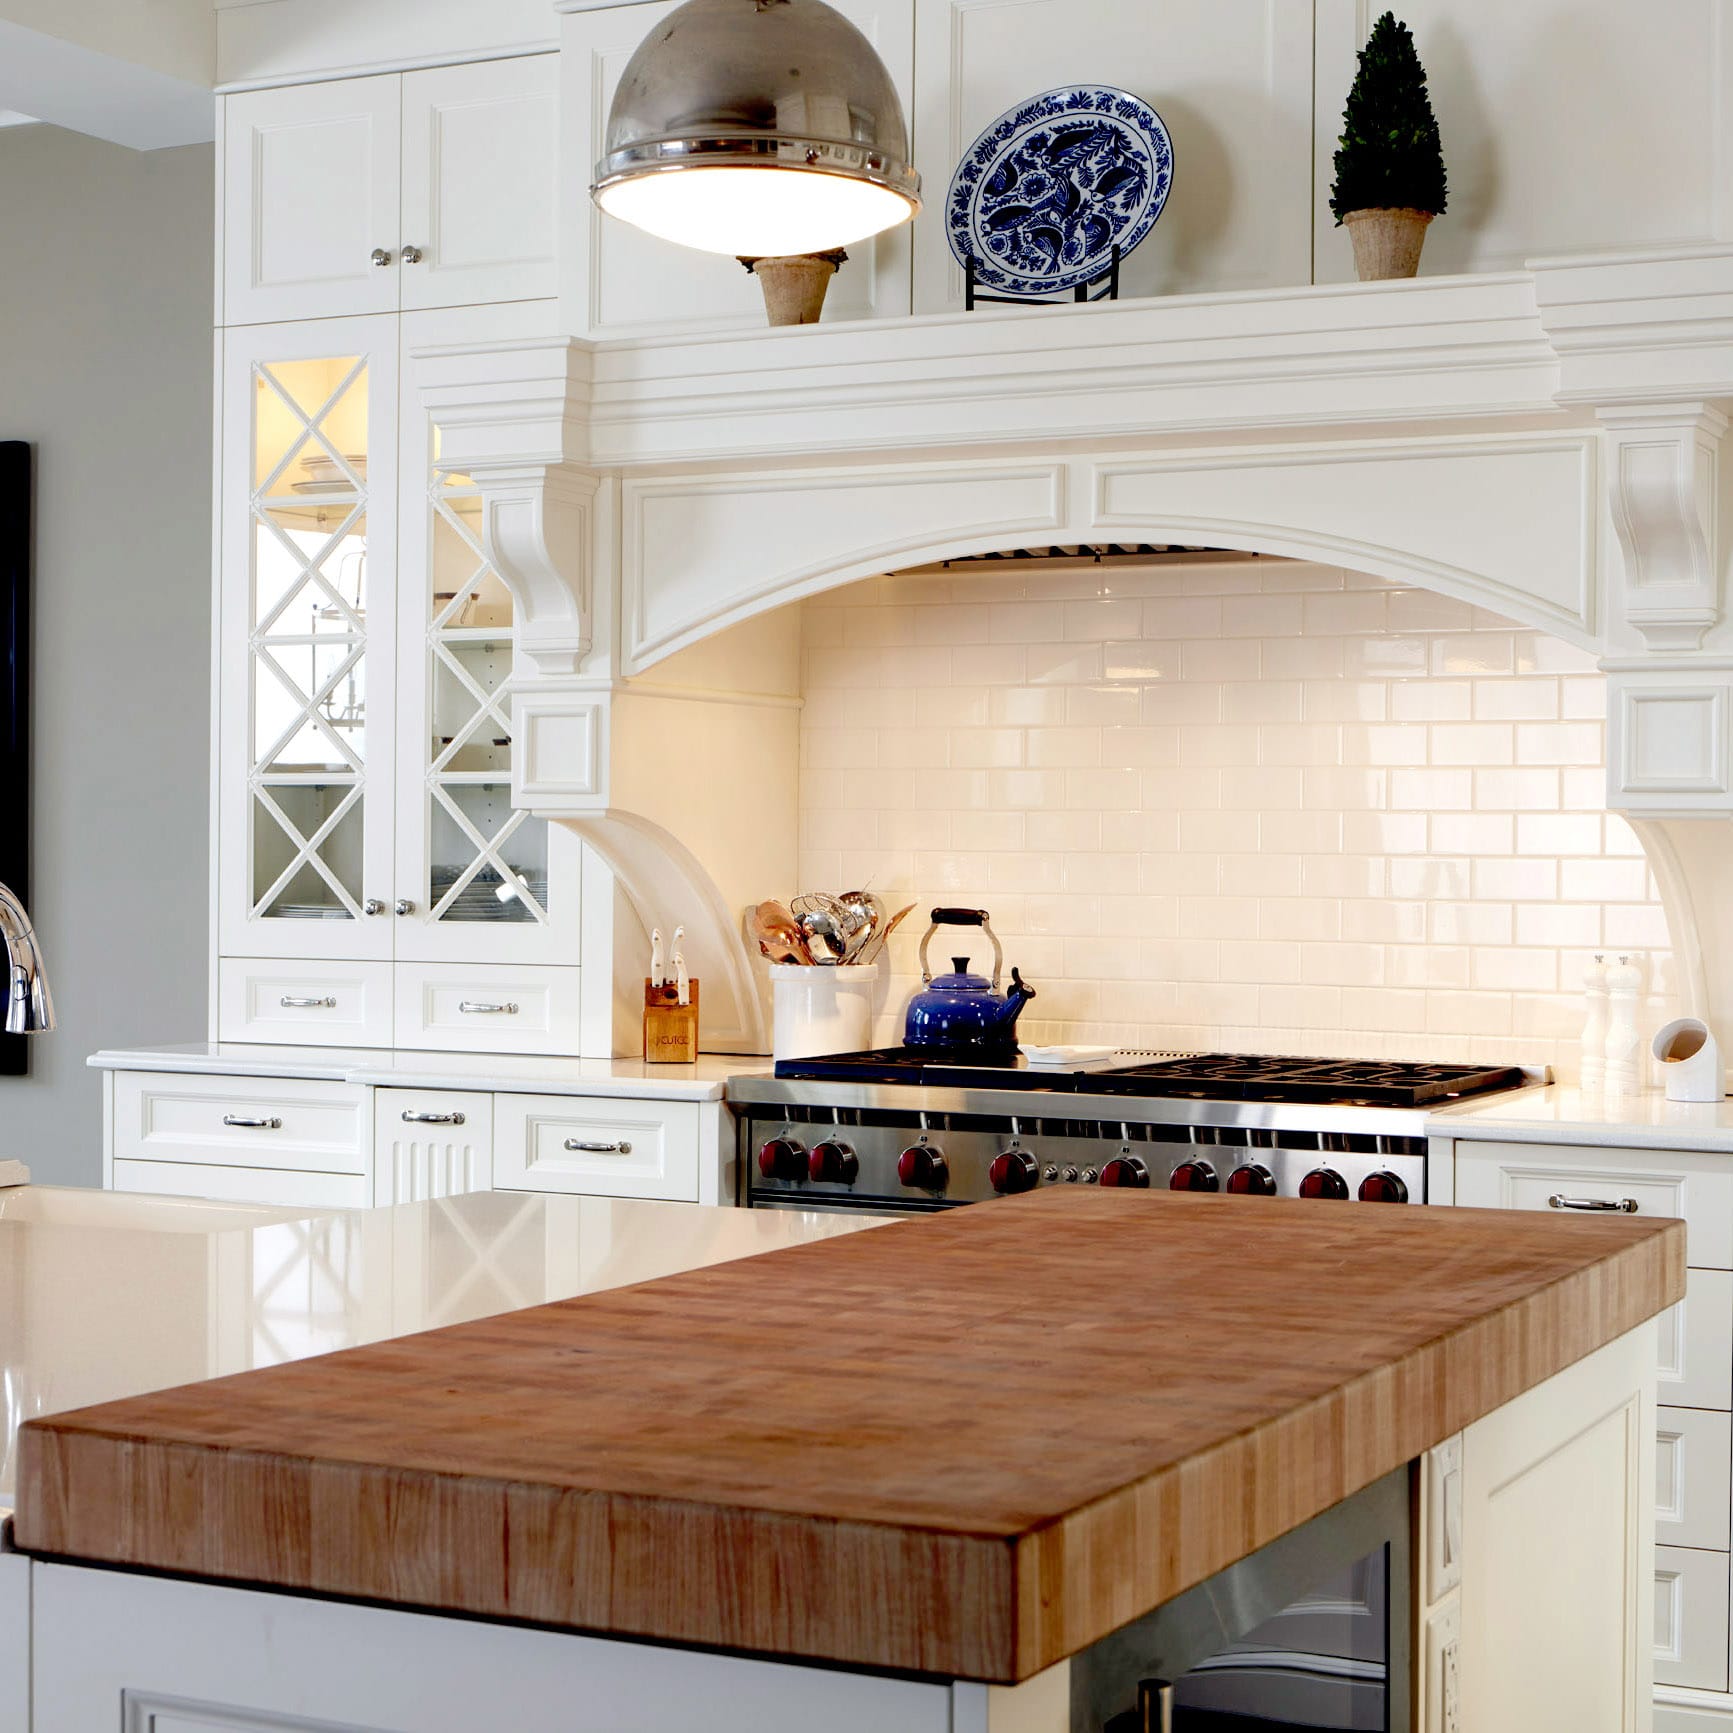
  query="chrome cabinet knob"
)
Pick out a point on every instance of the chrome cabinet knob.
point(405, 906)
point(380, 257)
point(373, 906)
point(412, 255)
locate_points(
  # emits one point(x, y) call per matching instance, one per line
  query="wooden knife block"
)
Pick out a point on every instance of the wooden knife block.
point(670, 1028)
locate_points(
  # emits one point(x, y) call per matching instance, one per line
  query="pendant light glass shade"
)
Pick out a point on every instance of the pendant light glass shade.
point(757, 127)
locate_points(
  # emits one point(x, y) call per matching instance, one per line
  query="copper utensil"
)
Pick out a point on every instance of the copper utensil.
point(778, 933)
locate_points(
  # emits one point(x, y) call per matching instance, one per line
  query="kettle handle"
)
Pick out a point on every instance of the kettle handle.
point(961, 918)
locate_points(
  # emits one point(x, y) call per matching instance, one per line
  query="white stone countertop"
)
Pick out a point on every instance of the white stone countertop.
point(416, 1070)
point(113, 1294)
point(1559, 1113)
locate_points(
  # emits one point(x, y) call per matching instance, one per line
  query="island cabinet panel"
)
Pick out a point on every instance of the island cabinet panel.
point(14, 1643)
point(1002, 1479)
point(1556, 1514)
point(1696, 1347)
point(179, 1657)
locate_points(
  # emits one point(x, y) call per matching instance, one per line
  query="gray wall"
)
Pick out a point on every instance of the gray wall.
point(105, 367)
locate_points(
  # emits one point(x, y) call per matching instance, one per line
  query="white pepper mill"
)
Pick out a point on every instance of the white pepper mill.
point(1594, 1065)
point(1623, 980)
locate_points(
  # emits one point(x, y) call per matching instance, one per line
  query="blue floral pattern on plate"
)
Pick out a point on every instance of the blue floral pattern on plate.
point(1042, 195)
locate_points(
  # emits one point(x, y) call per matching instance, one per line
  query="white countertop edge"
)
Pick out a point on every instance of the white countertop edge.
point(508, 1073)
point(1561, 1114)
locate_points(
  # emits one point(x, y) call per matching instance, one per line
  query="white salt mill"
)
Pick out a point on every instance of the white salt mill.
point(1623, 980)
point(1594, 1066)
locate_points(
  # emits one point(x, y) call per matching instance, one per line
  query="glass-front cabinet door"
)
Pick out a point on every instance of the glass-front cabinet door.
point(308, 557)
point(489, 882)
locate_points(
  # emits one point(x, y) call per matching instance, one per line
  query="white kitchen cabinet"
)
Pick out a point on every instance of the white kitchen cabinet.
point(1232, 80)
point(1690, 1624)
point(480, 174)
point(367, 681)
point(307, 554)
point(365, 195)
point(311, 203)
point(319, 1142)
point(606, 1146)
point(430, 1143)
point(617, 281)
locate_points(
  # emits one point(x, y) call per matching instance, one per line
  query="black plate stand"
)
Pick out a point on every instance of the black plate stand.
point(1104, 287)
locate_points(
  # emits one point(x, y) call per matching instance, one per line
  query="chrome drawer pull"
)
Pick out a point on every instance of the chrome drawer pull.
point(290, 1003)
point(580, 1147)
point(481, 1008)
point(433, 1119)
point(1624, 1205)
point(242, 1123)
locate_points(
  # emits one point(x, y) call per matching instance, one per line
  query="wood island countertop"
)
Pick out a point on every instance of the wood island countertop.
point(967, 1444)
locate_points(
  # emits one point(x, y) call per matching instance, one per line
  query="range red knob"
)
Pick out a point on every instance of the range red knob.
point(1324, 1182)
point(1014, 1170)
point(923, 1166)
point(1125, 1170)
point(1383, 1187)
point(782, 1158)
point(1193, 1176)
point(832, 1161)
point(1252, 1180)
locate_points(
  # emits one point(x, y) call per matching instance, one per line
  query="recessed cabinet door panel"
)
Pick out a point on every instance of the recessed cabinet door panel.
point(1691, 1477)
point(480, 168)
point(1231, 79)
point(618, 281)
point(308, 552)
point(1695, 1341)
point(1691, 1618)
point(310, 192)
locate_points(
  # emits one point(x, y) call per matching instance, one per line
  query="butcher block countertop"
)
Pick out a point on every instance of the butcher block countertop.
point(966, 1444)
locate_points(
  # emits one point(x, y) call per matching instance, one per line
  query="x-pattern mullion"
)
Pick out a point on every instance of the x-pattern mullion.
point(311, 426)
point(487, 853)
point(309, 711)
point(308, 854)
point(312, 568)
point(487, 704)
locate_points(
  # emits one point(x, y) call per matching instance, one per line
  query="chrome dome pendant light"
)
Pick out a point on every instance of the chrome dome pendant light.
point(760, 128)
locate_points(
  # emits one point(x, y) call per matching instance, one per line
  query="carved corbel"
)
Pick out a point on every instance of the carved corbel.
point(513, 416)
point(1661, 477)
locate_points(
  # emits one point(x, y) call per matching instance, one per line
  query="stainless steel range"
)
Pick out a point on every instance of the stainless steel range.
point(906, 1130)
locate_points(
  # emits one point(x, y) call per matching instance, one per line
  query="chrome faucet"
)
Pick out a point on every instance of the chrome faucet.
point(29, 1008)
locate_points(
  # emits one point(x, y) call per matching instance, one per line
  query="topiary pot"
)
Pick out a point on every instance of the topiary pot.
point(1387, 243)
point(794, 287)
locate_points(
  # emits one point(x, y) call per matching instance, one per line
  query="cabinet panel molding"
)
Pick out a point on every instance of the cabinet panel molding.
point(310, 183)
point(1670, 742)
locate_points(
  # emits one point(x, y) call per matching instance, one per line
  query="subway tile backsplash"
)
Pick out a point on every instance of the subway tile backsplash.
point(1235, 802)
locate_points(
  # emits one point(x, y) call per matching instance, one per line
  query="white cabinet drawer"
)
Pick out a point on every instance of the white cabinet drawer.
point(602, 1146)
point(1691, 1618)
point(1695, 1362)
point(261, 1122)
point(243, 1184)
point(477, 1008)
point(314, 1004)
point(1691, 1477)
point(1660, 1182)
point(430, 1143)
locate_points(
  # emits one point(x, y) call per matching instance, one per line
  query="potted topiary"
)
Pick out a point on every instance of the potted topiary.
point(1389, 166)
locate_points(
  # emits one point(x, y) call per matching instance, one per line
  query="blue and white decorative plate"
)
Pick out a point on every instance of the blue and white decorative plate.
point(1042, 195)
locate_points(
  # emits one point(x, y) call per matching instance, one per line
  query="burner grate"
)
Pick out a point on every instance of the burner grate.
point(1344, 1082)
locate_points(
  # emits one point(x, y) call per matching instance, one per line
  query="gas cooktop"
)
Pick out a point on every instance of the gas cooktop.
point(1197, 1076)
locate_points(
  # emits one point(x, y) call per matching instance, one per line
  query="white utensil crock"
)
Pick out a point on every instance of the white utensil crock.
point(821, 1010)
point(1690, 1061)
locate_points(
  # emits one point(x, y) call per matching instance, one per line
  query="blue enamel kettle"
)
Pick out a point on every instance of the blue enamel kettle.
point(961, 1012)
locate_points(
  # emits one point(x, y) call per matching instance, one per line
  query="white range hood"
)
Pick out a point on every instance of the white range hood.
point(1546, 443)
